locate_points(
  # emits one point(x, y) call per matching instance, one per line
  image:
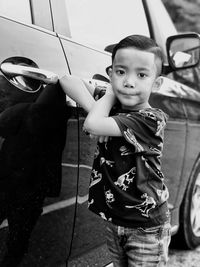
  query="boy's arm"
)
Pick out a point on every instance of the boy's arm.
point(80, 91)
point(98, 121)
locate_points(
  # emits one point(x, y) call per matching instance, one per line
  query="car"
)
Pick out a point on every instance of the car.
point(77, 37)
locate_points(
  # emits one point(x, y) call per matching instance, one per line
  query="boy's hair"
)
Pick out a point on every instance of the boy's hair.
point(143, 43)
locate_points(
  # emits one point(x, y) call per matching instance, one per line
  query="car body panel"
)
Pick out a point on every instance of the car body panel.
point(42, 46)
point(46, 51)
point(79, 55)
point(191, 101)
point(85, 62)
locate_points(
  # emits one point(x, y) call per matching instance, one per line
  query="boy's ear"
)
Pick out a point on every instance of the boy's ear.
point(110, 72)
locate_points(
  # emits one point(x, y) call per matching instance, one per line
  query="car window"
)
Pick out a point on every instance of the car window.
point(100, 23)
point(161, 23)
point(18, 10)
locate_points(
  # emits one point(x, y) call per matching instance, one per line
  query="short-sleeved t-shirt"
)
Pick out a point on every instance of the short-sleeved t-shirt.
point(127, 185)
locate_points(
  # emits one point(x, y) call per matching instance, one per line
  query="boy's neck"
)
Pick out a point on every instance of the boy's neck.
point(136, 108)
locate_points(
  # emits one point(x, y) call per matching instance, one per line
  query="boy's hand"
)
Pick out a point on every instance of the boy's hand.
point(109, 91)
point(100, 139)
point(110, 94)
point(103, 139)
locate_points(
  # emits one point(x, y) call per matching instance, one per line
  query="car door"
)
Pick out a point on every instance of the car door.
point(51, 238)
point(190, 84)
point(85, 62)
point(169, 98)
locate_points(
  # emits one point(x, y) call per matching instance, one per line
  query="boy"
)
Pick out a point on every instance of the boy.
point(127, 186)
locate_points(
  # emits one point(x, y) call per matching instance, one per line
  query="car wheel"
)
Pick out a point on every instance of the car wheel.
point(188, 235)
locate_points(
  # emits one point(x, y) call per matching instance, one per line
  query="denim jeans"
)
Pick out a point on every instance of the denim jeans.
point(138, 247)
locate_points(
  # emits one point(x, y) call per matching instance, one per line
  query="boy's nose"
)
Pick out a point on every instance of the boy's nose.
point(129, 84)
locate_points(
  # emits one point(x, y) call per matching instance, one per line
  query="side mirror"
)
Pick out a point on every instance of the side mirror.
point(24, 74)
point(183, 51)
point(100, 78)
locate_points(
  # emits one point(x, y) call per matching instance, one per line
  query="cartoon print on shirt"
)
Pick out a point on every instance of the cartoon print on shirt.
point(163, 194)
point(96, 152)
point(109, 196)
point(145, 162)
point(108, 162)
point(125, 179)
point(148, 204)
point(95, 177)
point(125, 151)
point(159, 173)
point(160, 122)
point(160, 125)
point(90, 202)
point(103, 216)
point(155, 150)
point(130, 137)
point(148, 114)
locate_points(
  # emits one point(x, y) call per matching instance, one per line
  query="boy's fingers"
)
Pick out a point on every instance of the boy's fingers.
point(109, 90)
point(103, 139)
point(106, 138)
point(92, 136)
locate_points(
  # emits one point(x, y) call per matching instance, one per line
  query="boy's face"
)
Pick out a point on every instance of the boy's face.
point(132, 77)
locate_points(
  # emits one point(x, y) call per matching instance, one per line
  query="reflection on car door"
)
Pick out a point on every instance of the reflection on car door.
point(190, 84)
point(54, 229)
point(168, 98)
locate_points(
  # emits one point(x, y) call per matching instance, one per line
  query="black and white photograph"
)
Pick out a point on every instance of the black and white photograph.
point(99, 133)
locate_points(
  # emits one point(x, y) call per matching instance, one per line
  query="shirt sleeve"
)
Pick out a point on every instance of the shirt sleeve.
point(142, 129)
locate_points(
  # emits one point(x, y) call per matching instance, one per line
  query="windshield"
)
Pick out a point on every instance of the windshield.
point(101, 23)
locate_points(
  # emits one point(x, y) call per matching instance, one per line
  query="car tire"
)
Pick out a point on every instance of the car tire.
point(188, 235)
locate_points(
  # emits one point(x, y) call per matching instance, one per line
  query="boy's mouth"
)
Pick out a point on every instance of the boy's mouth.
point(128, 93)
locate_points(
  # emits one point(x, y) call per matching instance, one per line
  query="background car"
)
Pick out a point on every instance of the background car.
point(75, 37)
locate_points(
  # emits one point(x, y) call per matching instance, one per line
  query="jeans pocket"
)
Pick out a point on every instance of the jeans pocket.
point(150, 230)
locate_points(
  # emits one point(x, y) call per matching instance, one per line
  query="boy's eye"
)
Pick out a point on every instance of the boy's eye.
point(120, 72)
point(142, 75)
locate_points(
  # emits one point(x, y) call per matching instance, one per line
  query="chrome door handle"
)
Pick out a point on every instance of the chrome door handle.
point(44, 76)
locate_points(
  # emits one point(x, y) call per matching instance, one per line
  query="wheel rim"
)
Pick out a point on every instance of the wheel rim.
point(195, 208)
